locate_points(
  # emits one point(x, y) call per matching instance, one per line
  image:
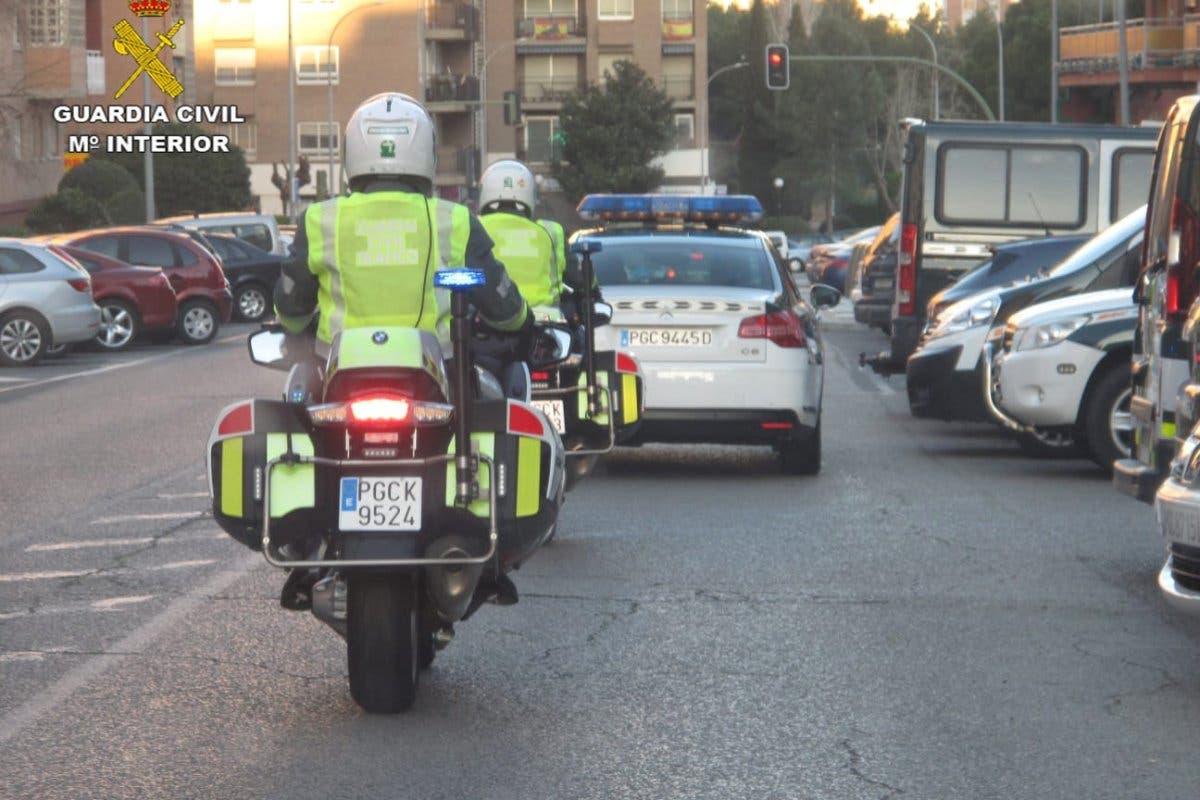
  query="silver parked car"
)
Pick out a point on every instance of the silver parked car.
point(45, 300)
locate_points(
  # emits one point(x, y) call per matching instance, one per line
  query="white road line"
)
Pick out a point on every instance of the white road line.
point(6, 379)
point(183, 496)
point(143, 517)
point(114, 602)
point(49, 575)
point(20, 577)
point(48, 700)
point(86, 543)
point(199, 562)
point(105, 606)
point(21, 655)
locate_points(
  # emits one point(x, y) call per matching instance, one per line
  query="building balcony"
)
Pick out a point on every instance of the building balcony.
point(1158, 49)
point(453, 21)
point(95, 72)
point(678, 27)
point(451, 93)
point(679, 87)
point(548, 90)
point(456, 165)
point(550, 27)
point(540, 152)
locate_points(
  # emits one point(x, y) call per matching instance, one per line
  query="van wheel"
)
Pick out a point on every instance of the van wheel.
point(1051, 443)
point(197, 322)
point(382, 641)
point(1107, 419)
point(802, 455)
point(24, 339)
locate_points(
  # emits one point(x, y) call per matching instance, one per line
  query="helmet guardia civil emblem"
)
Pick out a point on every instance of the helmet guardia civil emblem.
point(508, 183)
point(130, 43)
point(387, 149)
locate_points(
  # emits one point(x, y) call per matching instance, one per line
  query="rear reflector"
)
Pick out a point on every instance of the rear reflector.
point(237, 420)
point(777, 426)
point(522, 420)
point(540, 376)
point(80, 284)
point(626, 363)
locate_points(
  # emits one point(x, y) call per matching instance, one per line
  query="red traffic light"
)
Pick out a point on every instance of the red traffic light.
point(778, 66)
point(776, 59)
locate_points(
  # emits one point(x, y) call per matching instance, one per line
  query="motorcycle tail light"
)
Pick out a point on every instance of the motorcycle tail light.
point(379, 410)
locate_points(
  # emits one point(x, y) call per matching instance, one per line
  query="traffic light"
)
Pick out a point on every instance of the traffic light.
point(778, 66)
point(512, 107)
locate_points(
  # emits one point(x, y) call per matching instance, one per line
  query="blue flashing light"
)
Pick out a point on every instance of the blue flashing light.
point(734, 208)
point(459, 278)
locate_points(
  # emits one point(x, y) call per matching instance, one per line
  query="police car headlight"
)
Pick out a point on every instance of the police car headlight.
point(966, 314)
point(1049, 334)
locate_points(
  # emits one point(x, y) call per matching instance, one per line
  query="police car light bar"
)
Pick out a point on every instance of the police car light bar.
point(458, 278)
point(733, 208)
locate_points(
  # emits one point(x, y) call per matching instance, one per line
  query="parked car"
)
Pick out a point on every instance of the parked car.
point(969, 185)
point(131, 299)
point(1064, 365)
point(1010, 263)
point(251, 272)
point(45, 299)
point(1177, 508)
point(205, 300)
point(830, 262)
point(800, 246)
point(260, 230)
point(872, 294)
point(945, 373)
point(1166, 387)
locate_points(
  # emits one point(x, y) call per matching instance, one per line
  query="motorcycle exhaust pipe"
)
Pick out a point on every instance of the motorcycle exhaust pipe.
point(451, 586)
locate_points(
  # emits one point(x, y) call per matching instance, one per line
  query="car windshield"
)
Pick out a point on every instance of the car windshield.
point(684, 261)
point(1101, 247)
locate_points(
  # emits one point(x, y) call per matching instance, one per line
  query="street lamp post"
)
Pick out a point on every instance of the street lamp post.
point(937, 100)
point(291, 99)
point(329, 88)
point(778, 197)
point(704, 127)
point(1000, 45)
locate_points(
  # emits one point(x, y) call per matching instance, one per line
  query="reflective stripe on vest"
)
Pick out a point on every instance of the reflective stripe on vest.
point(527, 251)
point(374, 256)
point(560, 250)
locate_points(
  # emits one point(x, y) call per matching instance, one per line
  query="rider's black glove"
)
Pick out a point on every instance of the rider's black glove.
point(526, 336)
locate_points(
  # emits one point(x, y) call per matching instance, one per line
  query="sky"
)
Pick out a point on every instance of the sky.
point(900, 9)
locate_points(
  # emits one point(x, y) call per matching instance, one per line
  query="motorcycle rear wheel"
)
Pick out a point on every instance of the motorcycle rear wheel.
point(382, 641)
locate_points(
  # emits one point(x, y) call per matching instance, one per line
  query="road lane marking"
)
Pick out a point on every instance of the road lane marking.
point(144, 517)
point(55, 695)
point(20, 577)
point(7, 379)
point(114, 602)
point(106, 605)
point(199, 562)
point(48, 575)
point(85, 543)
point(182, 496)
point(21, 655)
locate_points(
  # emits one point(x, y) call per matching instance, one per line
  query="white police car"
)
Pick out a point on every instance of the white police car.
point(730, 349)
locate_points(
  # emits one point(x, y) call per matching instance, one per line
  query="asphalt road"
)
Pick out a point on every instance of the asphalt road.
point(934, 616)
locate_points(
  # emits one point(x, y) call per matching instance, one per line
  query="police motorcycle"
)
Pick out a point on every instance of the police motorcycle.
point(595, 399)
point(411, 492)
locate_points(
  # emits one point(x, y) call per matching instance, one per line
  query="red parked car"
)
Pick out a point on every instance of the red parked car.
point(205, 300)
point(131, 299)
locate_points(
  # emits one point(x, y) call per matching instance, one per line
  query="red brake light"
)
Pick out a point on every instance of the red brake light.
point(1183, 259)
point(781, 327)
point(541, 377)
point(379, 410)
point(906, 271)
point(237, 420)
point(522, 420)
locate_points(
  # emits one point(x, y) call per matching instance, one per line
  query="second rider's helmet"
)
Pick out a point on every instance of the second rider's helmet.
point(508, 183)
point(391, 135)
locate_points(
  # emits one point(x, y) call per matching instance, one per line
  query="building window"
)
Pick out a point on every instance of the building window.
point(549, 8)
point(47, 22)
point(549, 78)
point(50, 143)
point(542, 144)
point(234, 66)
point(317, 137)
point(614, 9)
point(244, 135)
point(606, 62)
point(316, 63)
point(677, 20)
point(679, 77)
point(677, 9)
point(685, 131)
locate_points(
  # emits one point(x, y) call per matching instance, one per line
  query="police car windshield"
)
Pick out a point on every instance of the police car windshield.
point(690, 261)
point(1103, 248)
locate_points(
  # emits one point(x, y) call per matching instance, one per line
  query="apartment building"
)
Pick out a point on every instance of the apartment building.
point(957, 12)
point(459, 57)
point(1163, 48)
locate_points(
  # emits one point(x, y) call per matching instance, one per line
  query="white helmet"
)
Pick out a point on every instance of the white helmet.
point(390, 134)
point(508, 181)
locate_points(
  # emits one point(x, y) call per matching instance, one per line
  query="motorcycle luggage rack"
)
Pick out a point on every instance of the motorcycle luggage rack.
point(540, 394)
point(449, 458)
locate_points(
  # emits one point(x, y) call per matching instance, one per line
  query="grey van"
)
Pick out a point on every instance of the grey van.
point(970, 185)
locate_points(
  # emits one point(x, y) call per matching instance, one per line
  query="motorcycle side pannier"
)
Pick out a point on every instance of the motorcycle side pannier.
point(621, 373)
point(245, 437)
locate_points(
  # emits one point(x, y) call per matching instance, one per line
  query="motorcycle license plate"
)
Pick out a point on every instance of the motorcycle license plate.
point(666, 337)
point(380, 503)
point(553, 409)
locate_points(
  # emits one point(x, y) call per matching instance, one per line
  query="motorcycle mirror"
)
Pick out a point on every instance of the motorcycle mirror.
point(602, 312)
point(551, 346)
point(823, 296)
point(267, 349)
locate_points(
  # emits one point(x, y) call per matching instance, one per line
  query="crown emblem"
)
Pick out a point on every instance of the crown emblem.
point(149, 8)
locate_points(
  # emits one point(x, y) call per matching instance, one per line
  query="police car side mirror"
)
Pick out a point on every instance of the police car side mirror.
point(267, 349)
point(551, 346)
point(822, 296)
point(602, 313)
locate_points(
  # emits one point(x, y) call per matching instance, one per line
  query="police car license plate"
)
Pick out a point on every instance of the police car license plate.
point(1180, 524)
point(380, 504)
point(666, 337)
point(553, 409)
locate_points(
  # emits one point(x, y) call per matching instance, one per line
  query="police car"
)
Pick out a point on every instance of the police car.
point(730, 349)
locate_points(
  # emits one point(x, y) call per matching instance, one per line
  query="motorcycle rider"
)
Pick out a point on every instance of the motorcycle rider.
point(369, 258)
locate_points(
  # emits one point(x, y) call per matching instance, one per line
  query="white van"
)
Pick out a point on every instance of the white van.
point(260, 230)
